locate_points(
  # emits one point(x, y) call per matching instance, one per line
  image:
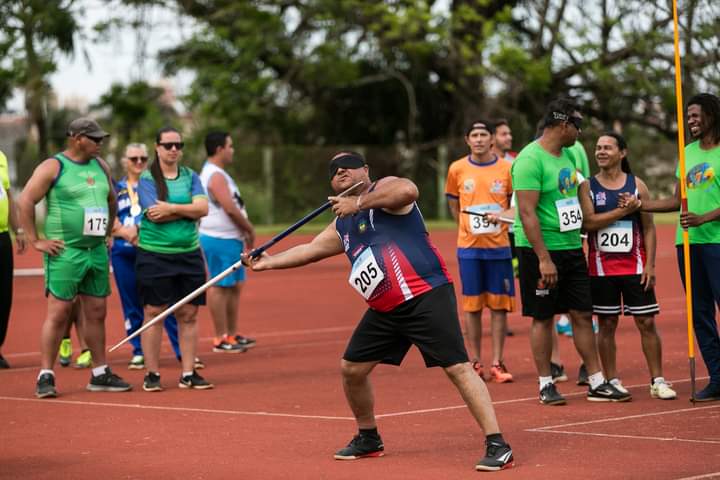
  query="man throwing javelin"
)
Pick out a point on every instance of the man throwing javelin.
point(401, 275)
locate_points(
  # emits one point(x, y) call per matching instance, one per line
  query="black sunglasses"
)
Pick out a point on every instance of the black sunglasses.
point(138, 159)
point(170, 145)
point(576, 121)
point(95, 139)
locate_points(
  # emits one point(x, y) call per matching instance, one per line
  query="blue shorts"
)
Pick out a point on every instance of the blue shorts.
point(487, 283)
point(221, 253)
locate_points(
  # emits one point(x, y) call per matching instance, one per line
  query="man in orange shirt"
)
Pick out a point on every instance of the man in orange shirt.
point(481, 182)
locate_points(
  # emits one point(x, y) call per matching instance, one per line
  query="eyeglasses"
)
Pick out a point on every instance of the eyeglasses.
point(95, 139)
point(138, 159)
point(576, 121)
point(170, 145)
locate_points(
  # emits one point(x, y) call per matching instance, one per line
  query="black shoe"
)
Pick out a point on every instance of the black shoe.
point(226, 347)
point(583, 376)
point(46, 386)
point(362, 446)
point(607, 393)
point(4, 363)
point(550, 396)
point(108, 382)
point(151, 382)
point(498, 456)
point(708, 394)
point(194, 381)
point(246, 342)
point(558, 373)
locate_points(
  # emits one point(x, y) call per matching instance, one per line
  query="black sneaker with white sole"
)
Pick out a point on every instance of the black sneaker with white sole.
point(195, 381)
point(362, 446)
point(151, 383)
point(607, 392)
point(550, 396)
point(498, 456)
point(582, 376)
point(46, 386)
point(558, 373)
point(246, 342)
point(108, 382)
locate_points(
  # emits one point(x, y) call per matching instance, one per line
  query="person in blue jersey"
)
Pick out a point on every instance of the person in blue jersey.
point(411, 299)
point(124, 251)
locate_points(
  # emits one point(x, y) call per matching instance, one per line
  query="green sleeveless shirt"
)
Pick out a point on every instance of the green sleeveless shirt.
point(77, 204)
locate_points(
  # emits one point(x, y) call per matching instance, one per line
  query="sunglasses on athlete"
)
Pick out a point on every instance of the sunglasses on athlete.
point(575, 121)
point(169, 145)
point(95, 139)
point(138, 159)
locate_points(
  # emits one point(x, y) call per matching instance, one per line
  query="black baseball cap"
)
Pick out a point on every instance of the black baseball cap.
point(480, 124)
point(86, 126)
point(346, 160)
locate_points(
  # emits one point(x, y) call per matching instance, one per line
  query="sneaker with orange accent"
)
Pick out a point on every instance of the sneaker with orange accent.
point(499, 374)
point(227, 345)
point(477, 366)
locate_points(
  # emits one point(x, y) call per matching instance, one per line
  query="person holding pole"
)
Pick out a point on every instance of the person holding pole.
point(701, 219)
point(81, 209)
point(400, 274)
point(169, 262)
point(621, 259)
point(480, 182)
point(553, 270)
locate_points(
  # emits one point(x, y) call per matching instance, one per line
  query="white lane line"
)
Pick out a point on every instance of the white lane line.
point(175, 409)
point(619, 419)
point(630, 437)
point(701, 477)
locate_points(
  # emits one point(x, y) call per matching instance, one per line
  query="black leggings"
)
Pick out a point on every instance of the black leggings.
point(6, 282)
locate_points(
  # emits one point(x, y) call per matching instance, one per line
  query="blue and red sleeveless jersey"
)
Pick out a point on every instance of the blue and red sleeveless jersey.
point(604, 263)
point(401, 247)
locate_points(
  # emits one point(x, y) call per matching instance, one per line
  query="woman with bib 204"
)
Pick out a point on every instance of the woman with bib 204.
point(621, 259)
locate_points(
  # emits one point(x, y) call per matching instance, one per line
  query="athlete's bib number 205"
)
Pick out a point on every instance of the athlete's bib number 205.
point(95, 222)
point(366, 275)
point(569, 214)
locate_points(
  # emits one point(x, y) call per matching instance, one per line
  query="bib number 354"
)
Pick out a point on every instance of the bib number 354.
point(366, 275)
point(569, 214)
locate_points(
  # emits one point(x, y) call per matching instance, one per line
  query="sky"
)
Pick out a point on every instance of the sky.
point(88, 74)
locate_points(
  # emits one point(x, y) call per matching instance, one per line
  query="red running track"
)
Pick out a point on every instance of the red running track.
point(278, 411)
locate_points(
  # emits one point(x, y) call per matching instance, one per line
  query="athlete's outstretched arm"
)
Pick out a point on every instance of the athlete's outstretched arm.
point(325, 244)
point(670, 204)
point(595, 221)
point(647, 279)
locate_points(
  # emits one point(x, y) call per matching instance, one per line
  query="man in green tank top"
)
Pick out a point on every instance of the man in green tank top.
point(80, 212)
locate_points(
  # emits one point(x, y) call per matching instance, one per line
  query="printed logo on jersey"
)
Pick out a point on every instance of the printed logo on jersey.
point(600, 199)
point(469, 185)
point(89, 177)
point(362, 226)
point(701, 176)
point(567, 181)
point(498, 186)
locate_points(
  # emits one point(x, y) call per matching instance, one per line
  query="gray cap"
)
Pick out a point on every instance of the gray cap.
point(86, 126)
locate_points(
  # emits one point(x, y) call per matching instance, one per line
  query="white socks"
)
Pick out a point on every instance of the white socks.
point(596, 379)
point(544, 381)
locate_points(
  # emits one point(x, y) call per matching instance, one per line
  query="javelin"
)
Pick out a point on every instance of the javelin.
point(683, 200)
point(254, 253)
point(500, 219)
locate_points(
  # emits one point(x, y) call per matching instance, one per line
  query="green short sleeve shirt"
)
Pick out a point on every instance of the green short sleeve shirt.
point(702, 186)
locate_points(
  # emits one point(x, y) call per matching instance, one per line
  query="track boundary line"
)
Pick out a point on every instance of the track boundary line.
point(700, 477)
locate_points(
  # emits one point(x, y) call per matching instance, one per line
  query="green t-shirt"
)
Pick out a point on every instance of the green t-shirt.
point(4, 188)
point(556, 180)
point(176, 236)
point(582, 164)
point(77, 204)
point(702, 186)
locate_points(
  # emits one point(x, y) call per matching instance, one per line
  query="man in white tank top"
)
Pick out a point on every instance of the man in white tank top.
point(224, 233)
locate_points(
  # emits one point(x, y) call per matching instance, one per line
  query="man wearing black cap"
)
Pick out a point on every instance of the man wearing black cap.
point(400, 274)
point(81, 209)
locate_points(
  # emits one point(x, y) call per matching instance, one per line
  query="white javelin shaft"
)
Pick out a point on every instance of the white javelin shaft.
point(227, 271)
point(502, 219)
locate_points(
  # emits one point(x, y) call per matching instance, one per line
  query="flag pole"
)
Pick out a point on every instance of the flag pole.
point(683, 198)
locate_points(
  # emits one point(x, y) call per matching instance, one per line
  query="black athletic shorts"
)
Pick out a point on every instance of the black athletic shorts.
point(622, 293)
point(572, 291)
point(429, 321)
point(166, 278)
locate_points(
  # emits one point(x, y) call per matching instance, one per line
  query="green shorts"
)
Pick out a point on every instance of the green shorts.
point(78, 271)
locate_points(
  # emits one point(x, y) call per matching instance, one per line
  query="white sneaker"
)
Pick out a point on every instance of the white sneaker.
point(617, 384)
point(662, 391)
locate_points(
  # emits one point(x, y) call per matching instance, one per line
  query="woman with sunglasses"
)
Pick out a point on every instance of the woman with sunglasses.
point(621, 259)
point(169, 262)
point(123, 253)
